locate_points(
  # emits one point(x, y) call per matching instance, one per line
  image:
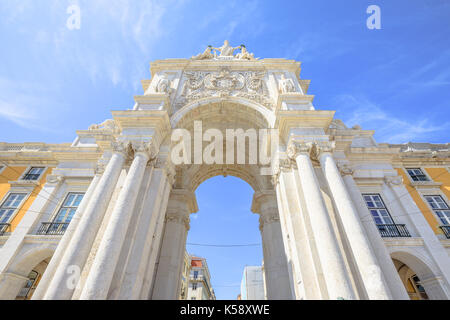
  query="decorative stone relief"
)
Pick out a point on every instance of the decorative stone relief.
point(100, 167)
point(345, 170)
point(54, 178)
point(394, 180)
point(223, 83)
point(107, 125)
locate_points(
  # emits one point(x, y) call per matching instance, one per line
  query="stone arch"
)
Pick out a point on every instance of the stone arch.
point(430, 277)
point(21, 267)
point(30, 258)
point(189, 108)
point(191, 177)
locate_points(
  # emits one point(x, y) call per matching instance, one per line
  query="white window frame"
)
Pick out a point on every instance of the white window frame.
point(29, 168)
point(384, 207)
point(61, 205)
point(16, 210)
point(444, 199)
point(424, 172)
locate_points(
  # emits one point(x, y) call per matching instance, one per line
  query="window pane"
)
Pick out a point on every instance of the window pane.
point(378, 221)
point(68, 208)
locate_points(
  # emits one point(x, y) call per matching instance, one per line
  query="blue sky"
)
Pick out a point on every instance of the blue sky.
point(54, 81)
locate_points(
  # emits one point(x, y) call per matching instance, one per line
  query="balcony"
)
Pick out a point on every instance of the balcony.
point(446, 230)
point(393, 230)
point(4, 227)
point(52, 228)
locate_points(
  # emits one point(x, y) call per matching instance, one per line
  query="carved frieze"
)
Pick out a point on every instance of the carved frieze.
point(222, 83)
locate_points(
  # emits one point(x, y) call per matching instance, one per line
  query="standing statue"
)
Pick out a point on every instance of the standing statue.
point(286, 85)
point(204, 55)
point(226, 50)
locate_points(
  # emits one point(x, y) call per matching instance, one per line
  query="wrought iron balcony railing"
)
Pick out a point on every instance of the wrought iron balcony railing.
point(446, 230)
point(4, 227)
point(393, 230)
point(52, 228)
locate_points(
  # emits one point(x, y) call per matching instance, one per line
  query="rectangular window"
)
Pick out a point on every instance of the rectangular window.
point(194, 286)
point(440, 208)
point(10, 205)
point(417, 174)
point(195, 274)
point(68, 207)
point(34, 173)
point(377, 209)
point(64, 215)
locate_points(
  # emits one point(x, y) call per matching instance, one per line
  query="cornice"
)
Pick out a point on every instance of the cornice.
point(210, 64)
point(289, 119)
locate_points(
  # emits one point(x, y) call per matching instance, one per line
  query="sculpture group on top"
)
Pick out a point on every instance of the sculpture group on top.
point(225, 51)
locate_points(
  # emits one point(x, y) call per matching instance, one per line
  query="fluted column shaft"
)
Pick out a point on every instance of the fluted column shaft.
point(79, 247)
point(332, 263)
point(64, 242)
point(102, 270)
point(171, 258)
point(275, 261)
point(371, 275)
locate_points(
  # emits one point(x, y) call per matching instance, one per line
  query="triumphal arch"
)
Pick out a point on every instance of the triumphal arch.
point(221, 112)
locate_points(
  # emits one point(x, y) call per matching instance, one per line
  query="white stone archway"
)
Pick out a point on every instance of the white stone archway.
point(129, 232)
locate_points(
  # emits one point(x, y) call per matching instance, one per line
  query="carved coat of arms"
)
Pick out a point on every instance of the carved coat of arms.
point(248, 84)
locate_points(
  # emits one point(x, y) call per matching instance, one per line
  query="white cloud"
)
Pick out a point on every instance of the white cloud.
point(20, 104)
point(388, 128)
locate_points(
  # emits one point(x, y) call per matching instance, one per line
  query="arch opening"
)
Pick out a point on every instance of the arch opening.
point(420, 280)
point(225, 233)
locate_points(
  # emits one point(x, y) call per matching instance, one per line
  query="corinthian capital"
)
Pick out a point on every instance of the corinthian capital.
point(267, 218)
point(320, 147)
point(295, 148)
point(121, 147)
point(144, 147)
point(179, 217)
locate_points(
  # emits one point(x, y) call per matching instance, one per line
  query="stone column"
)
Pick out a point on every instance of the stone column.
point(305, 280)
point(171, 258)
point(80, 245)
point(365, 259)
point(65, 240)
point(146, 238)
point(275, 261)
point(102, 270)
point(391, 276)
point(331, 261)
